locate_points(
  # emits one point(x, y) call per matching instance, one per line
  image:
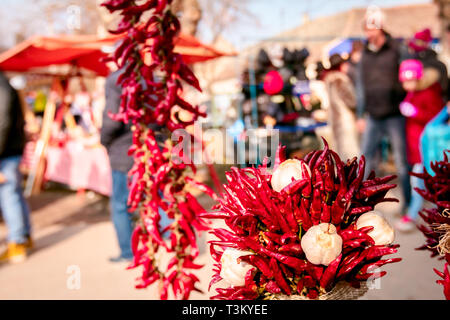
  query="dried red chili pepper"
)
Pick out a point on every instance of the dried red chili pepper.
point(445, 282)
point(316, 207)
point(312, 294)
point(325, 217)
point(356, 182)
point(350, 234)
point(379, 251)
point(278, 276)
point(373, 276)
point(369, 267)
point(330, 273)
point(294, 249)
point(372, 190)
point(294, 186)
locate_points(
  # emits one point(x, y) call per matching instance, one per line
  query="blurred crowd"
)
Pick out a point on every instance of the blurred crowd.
point(385, 99)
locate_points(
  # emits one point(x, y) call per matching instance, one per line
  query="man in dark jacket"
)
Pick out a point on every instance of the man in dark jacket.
point(117, 138)
point(382, 95)
point(12, 202)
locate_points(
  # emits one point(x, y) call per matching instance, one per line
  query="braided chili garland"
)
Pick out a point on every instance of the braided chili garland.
point(437, 220)
point(156, 180)
point(269, 226)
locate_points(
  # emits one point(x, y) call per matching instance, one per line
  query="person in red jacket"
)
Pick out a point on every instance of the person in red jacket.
point(422, 102)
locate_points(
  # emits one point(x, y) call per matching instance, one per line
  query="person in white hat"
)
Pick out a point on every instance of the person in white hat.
point(383, 93)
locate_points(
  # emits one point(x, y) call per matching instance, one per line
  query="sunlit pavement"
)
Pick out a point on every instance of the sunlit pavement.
point(413, 277)
point(74, 237)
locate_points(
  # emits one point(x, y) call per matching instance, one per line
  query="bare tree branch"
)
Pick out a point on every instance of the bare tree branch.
point(220, 15)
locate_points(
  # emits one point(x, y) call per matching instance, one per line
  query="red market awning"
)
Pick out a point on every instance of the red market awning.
point(39, 51)
point(192, 50)
point(86, 51)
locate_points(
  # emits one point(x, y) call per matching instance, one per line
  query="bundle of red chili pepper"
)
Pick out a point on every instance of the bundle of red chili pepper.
point(270, 225)
point(436, 227)
point(157, 182)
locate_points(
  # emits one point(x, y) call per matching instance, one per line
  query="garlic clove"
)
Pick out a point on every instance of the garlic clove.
point(233, 271)
point(288, 170)
point(321, 244)
point(382, 233)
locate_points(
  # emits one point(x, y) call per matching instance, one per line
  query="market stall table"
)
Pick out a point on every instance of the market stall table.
point(79, 167)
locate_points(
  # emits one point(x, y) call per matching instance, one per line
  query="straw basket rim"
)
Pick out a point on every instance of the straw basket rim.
point(341, 291)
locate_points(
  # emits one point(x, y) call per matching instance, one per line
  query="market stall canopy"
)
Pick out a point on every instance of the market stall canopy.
point(192, 50)
point(86, 51)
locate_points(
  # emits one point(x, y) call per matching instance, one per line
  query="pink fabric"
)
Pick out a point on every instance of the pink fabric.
point(79, 167)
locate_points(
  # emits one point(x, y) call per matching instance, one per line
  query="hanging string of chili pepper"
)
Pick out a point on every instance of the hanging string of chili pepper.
point(150, 94)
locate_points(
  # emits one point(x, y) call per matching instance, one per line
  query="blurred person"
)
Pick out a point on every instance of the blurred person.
point(81, 109)
point(382, 95)
point(446, 59)
point(354, 72)
point(422, 102)
point(354, 59)
point(117, 138)
point(12, 202)
point(435, 138)
point(276, 55)
point(341, 112)
point(420, 47)
point(316, 73)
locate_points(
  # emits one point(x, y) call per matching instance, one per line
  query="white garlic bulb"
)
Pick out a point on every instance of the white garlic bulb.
point(291, 168)
point(382, 233)
point(321, 244)
point(233, 271)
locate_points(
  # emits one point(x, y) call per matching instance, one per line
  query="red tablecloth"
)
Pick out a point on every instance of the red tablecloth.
point(79, 167)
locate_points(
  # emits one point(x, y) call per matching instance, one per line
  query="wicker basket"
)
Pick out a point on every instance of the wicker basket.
point(342, 291)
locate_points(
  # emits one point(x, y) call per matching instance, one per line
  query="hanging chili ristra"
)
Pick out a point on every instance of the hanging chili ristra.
point(157, 182)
